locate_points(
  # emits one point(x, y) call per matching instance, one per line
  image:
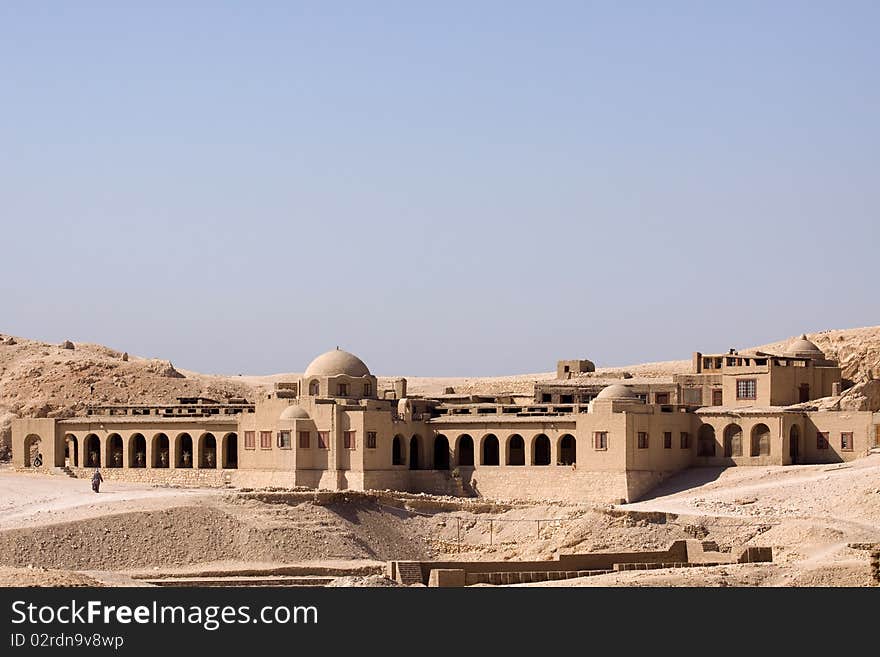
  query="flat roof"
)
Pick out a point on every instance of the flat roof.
point(151, 419)
point(585, 381)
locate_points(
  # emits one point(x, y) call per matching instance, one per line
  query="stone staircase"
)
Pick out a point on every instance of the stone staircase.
point(65, 470)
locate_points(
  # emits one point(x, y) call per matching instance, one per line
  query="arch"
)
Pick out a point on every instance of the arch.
point(137, 451)
point(113, 453)
point(516, 450)
point(397, 455)
point(567, 449)
point(706, 441)
point(794, 440)
point(541, 450)
point(414, 452)
point(441, 452)
point(33, 456)
point(760, 440)
point(229, 451)
point(183, 451)
point(92, 451)
point(314, 387)
point(207, 454)
point(161, 451)
point(490, 452)
point(733, 435)
point(464, 450)
point(71, 450)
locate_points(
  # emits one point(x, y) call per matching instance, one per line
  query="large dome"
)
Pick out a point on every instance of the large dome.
point(617, 391)
point(337, 362)
point(803, 348)
point(294, 413)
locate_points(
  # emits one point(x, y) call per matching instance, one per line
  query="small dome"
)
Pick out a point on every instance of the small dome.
point(337, 362)
point(294, 413)
point(617, 391)
point(804, 348)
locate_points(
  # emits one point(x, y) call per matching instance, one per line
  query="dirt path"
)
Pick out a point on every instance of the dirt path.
point(28, 500)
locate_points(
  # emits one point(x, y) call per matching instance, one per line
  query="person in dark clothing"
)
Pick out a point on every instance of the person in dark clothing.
point(96, 481)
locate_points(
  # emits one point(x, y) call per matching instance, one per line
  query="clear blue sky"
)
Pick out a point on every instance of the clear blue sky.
point(448, 188)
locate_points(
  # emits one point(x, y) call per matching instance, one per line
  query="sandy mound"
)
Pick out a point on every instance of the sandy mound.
point(43, 577)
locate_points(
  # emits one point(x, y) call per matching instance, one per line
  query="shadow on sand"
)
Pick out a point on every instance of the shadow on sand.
point(688, 479)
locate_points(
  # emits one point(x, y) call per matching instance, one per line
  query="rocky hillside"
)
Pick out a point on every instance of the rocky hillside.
point(58, 380)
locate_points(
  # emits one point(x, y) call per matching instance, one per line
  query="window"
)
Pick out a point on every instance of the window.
point(249, 439)
point(643, 440)
point(846, 441)
point(566, 399)
point(717, 398)
point(348, 440)
point(746, 388)
point(822, 440)
point(600, 440)
point(545, 398)
point(323, 440)
point(685, 440)
point(265, 440)
point(342, 389)
point(284, 439)
point(661, 398)
point(304, 439)
point(371, 440)
point(667, 440)
point(692, 396)
point(368, 389)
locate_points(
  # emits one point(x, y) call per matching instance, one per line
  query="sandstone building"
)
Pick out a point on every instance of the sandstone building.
point(580, 437)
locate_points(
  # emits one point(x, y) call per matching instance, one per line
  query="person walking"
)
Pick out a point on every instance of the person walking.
point(96, 480)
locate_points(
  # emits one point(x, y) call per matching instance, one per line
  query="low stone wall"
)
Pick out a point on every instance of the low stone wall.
point(679, 553)
point(194, 477)
point(536, 483)
point(562, 483)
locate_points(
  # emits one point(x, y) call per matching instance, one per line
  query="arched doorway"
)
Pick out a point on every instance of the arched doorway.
point(794, 439)
point(161, 451)
point(114, 451)
point(183, 451)
point(207, 451)
point(230, 451)
point(92, 451)
point(541, 450)
point(567, 450)
point(465, 450)
point(313, 388)
point(33, 455)
point(397, 450)
point(733, 441)
point(490, 450)
point(71, 450)
point(414, 453)
point(760, 440)
point(441, 453)
point(516, 450)
point(137, 451)
point(706, 441)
